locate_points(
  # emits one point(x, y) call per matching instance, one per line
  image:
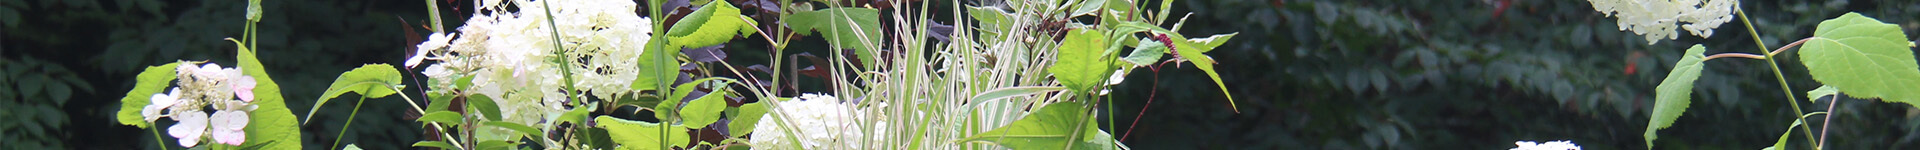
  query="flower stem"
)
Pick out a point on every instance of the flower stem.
point(1791, 101)
point(343, 128)
point(1824, 123)
point(157, 138)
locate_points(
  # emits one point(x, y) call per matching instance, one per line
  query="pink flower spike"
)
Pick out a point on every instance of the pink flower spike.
point(192, 125)
point(229, 127)
point(243, 87)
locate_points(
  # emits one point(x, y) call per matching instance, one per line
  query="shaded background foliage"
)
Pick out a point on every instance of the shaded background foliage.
point(1316, 74)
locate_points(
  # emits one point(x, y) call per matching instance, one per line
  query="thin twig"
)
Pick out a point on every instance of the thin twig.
point(1826, 123)
point(1791, 45)
point(1735, 55)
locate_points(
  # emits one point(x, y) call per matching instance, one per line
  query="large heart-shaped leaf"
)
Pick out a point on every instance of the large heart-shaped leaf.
point(715, 23)
point(272, 125)
point(1673, 95)
point(152, 81)
point(844, 27)
point(1082, 63)
point(371, 81)
point(1053, 127)
point(1864, 58)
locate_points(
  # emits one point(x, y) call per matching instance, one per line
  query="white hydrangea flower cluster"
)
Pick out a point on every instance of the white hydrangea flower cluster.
point(820, 121)
point(226, 89)
point(1656, 18)
point(1550, 145)
point(512, 58)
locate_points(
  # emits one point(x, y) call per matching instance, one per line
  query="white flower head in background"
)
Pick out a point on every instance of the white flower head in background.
point(1549, 145)
point(1657, 18)
point(818, 121)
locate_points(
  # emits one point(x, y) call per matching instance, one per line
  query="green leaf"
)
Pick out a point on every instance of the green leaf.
point(371, 81)
point(748, 116)
point(351, 147)
point(1050, 128)
point(714, 23)
point(1189, 50)
point(272, 121)
point(523, 129)
point(640, 135)
point(443, 117)
point(1672, 96)
point(485, 105)
point(436, 144)
point(1212, 41)
point(844, 27)
point(439, 102)
point(1864, 58)
point(153, 80)
point(578, 114)
point(1082, 64)
point(705, 110)
point(1823, 91)
point(668, 107)
point(1088, 7)
point(991, 19)
point(493, 144)
point(654, 71)
point(1014, 91)
point(1146, 53)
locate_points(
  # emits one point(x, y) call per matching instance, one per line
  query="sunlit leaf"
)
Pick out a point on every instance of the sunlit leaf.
point(1672, 96)
point(636, 135)
point(714, 23)
point(272, 121)
point(435, 144)
point(1864, 58)
point(485, 105)
point(844, 27)
point(704, 110)
point(371, 81)
point(152, 81)
point(1050, 128)
point(443, 117)
point(744, 121)
point(1146, 53)
point(1823, 91)
point(1082, 64)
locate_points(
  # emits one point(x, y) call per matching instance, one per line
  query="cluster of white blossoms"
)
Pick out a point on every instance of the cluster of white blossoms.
point(820, 121)
point(226, 89)
point(1549, 145)
point(512, 58)
point(1656, 18)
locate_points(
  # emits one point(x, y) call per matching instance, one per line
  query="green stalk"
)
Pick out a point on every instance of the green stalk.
point(343, 128)
point(657, 45)
point(1791, 101)
point(157, 138)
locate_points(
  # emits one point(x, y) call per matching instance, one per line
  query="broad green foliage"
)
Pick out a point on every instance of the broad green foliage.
point(671, 105)
point(1823, 91)
point(1863, 57)
point(1146, 52)
point(485, 105)
point(640, 135)
point(714, 23)
point(705, 110)
point(442, 117)
point(653, 68)
point(152, 81)
point(844, 27)
point(272, 126)
point(521, 130)
point(1190, 50)
point(371, 81)
point(435, 144)
point(746, 118)
point(1672, 96)
point(1082, 64)
point(1053, 127)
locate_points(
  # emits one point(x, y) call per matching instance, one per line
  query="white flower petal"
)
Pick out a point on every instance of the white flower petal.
point(229, 127)
point(192, 125)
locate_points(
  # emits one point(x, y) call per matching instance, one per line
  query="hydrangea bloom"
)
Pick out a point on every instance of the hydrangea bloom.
point(818, 122)
point(1656, 18)
point(509, 53)
point(1550, 145)
point(227, 90)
